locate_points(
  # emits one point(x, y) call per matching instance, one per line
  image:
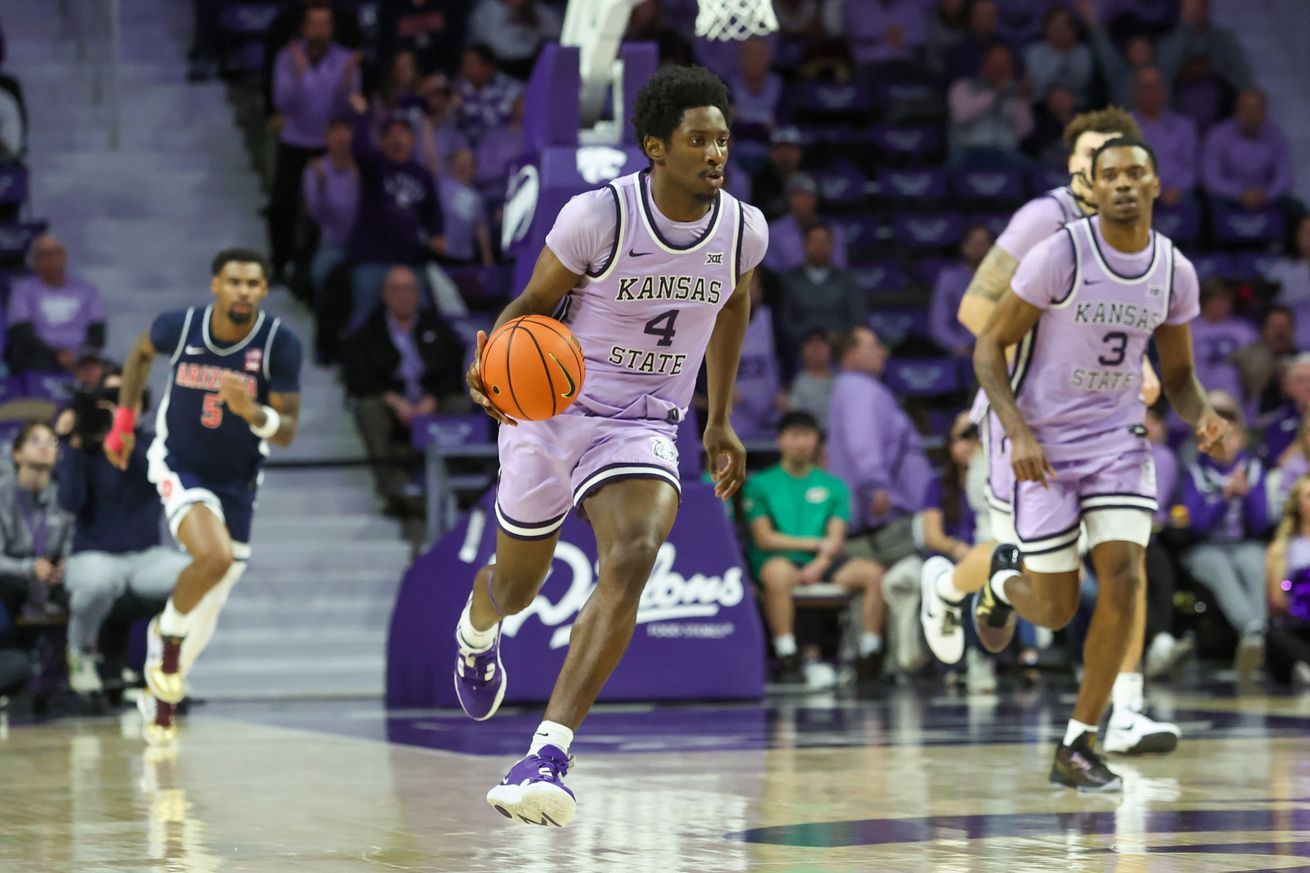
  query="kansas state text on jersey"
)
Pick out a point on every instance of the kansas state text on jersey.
point(194, 430)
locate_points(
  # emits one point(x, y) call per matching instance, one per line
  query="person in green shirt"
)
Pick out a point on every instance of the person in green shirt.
point(798, 516)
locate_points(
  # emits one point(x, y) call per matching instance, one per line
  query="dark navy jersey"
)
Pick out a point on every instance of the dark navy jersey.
point(194, 431)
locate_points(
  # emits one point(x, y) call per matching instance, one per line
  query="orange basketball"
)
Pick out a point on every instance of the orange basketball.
point(532, 368)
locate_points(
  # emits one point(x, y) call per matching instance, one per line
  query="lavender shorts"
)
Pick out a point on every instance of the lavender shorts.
point(548, 467)
point(1114, 496)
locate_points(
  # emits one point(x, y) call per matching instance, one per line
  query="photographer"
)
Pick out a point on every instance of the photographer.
point(35, 533)
point(117, 545)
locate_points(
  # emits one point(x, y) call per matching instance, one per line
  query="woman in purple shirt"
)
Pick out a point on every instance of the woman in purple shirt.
point(1286, 564)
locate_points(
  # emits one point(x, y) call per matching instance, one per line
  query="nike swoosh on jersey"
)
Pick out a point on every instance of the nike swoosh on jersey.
point(573, 386)
point(633, 253)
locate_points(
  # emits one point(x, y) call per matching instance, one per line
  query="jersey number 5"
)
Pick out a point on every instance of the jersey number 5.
point(211, 414)
point(662, 326)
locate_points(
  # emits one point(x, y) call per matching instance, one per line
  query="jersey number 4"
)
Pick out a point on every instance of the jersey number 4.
point(662, 326)
point(211, 411)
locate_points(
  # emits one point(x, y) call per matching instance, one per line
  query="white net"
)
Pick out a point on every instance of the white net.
point(735, 19)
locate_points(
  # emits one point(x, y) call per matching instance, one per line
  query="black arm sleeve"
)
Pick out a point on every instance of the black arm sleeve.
point(26, 350)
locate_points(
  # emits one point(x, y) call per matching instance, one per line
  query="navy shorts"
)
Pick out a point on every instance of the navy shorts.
point(232, 502)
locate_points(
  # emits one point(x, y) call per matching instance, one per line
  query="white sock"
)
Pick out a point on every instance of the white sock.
point(472, 638)
point(171, 622)
point(1076, 729)
point(946, 590)
point(784, 645)
point(1127, 693)
point(998, 585)
point(551, 733)
point(870, 642)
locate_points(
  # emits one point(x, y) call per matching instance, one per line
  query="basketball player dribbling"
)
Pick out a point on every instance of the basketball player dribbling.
point(945, 586)
point(652, 273)
point(1083, 307)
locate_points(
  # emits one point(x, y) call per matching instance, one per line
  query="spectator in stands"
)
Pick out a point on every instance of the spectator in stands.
point(398, 92)
point(1165, 650)
point(402, 363)
point(1050, 119)
point(980, 35)
point(646, 24)
point(818, 294)
point(399, 219)
point(116, 545)
point(884, 31)
point(1197, 47)
point(771, 184)
point(1247, 158)
point(1294, 463)
point(948, 517)
point(51, 315)
point(1281, 426)
point(330, 190)
point(1291, 274)
point(756, 95)
point(438, 137)
point(486, 95)
point(1260, 362)
point(758, 399)
point(464, 213)
point(1172, 136)
point(1228, 509)
point(35, 533)
point(202, 58)
point(1118, 69)
point(313, 81)
point(947, 27)
point(811, 390)
point(432, 29)
point(798, 516)
point(497, 151)
point(874, 449)
point(989, 110)
point(1217, 336)
point(1060, 58)
point(1286, 562)
point(515, 31)
point(949, 289)
point(787, 234)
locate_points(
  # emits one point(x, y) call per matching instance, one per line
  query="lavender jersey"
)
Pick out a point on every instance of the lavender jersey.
point(647, 303)
point(1077, 374)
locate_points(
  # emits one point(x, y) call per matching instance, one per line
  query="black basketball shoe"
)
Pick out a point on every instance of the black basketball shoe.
point(1079, 767)
point(993, 620)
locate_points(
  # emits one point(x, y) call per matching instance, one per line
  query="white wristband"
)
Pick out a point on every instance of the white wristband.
point(272, 421)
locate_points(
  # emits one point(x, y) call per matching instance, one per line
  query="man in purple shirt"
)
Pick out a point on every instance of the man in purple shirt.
point(313, 80)
point(1173, 136)
point(497, 150)
point(787, 234)
point(330, 188)
point(874, 448)
point(50, 314)
point(399, 219)
point(1217, 336)
point(486, 94)
point(1246, 158)
point(948, 291)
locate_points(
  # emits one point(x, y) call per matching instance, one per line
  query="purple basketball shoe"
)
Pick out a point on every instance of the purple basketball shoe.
point(533, 791)
point(479, 679)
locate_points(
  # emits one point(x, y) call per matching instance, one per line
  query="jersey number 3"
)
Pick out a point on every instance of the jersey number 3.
point(1114, 356)
point(211, 412)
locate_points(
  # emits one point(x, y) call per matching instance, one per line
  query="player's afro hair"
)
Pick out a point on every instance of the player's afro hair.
point(1111, 119)
point(672, 91)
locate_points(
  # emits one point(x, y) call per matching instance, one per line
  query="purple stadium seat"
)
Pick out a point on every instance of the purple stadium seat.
point(927, 183)
point(861, 233)
point(39, 385)
point(993, 221)
point(1043, 178)
point(842, 184)
point(450, 431)
point(1251, 266)
point(927, 269)
point(929, 230)
point(910, 100)
point(1233, 225)
point(13, 184)
point(1216, 264)
point(992, 184)
point(922, 377)
point(247, 18)
point(893, 326)
point(1181, 223)
point(917, 141)
point(1021, 20)
point(829, 101)
point(881, 277)
point(16, 238)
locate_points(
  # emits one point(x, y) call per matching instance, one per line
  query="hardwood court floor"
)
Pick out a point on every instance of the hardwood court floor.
point(906, 782)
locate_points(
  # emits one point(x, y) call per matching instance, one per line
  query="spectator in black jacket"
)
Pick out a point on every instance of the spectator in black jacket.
point(401, 363)
point(116, 544)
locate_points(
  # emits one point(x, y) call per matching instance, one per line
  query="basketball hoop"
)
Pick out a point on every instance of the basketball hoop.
point(735, 19)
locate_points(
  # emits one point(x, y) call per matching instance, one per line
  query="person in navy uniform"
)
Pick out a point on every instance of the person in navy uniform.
point(234, 389)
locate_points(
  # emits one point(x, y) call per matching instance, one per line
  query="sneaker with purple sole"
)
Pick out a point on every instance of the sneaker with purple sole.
point(533, 791)
point(479, 679)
